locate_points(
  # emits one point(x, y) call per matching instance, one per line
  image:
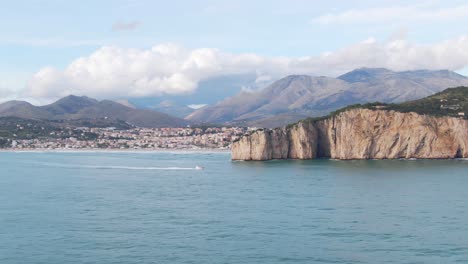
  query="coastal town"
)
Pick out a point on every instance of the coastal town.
point(85, 138)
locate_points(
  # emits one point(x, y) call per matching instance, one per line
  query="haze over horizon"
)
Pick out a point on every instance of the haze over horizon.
point(149, 49)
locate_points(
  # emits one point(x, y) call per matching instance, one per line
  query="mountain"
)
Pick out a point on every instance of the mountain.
point(172, 108)
point(293, 97)
point(393, 87)
point(365, 75)
point(85, 108)
point(23, 110)
point(69, 105)
point(289, 96)
point(126, 103)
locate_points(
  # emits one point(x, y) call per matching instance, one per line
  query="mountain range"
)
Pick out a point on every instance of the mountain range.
point(282, 102)
point(85, 108)
point(297, 96)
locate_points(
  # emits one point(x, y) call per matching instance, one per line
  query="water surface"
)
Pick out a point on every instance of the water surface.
point(156, 208)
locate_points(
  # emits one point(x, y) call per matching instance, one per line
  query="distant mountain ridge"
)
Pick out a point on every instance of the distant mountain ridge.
point(82, 107)
point(172, 108)
point(296, 96)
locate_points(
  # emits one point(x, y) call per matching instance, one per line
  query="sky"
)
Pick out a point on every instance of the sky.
point(135, 49)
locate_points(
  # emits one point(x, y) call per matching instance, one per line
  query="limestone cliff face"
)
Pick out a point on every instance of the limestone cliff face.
point(370, 134)
point(262, 145)
point(302, 140)
point(360, 134)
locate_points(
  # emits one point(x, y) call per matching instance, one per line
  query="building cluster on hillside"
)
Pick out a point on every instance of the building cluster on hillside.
point(451, 106)
point(136, 138)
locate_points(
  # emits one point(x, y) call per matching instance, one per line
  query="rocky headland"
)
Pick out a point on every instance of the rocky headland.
point(360, 133)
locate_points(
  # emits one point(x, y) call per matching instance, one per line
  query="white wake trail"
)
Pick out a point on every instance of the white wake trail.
point(105, 167)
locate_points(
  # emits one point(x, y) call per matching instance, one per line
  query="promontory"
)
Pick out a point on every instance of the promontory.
point(434, 127)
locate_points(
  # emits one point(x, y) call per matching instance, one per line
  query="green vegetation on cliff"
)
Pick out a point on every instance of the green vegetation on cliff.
point(450, 102)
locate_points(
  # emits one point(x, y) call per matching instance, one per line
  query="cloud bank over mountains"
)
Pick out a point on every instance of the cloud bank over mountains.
point(169, 69)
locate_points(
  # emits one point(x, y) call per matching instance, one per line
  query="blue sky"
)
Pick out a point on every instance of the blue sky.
point(40, 34)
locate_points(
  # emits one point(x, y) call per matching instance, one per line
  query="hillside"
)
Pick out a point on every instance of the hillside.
point(293, 97)
point(450, 102)
point(89, 110)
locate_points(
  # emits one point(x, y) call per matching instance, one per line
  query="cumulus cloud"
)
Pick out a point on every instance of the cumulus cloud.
point(163, 69)
point(126, 26)
point(114, 72)
point(399, 13)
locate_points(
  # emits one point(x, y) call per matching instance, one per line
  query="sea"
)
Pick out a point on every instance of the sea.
point(156, 207)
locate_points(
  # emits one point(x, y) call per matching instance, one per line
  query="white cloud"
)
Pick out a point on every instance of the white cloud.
point(399, 13)
point(113, 72)
point(163, 69)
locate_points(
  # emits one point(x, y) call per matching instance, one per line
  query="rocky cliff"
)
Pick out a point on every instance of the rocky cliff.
point(360, 134)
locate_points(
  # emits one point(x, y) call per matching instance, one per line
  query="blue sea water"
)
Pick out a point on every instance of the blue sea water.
point(155, 208)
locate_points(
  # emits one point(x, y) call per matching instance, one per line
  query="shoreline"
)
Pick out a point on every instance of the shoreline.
point(115, 150)
point(193, 151)
point(348, 160)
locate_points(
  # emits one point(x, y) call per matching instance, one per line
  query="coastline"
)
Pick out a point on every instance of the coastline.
point(358, 134)
point(349, 160)
point(206, 150)
point(193, 151)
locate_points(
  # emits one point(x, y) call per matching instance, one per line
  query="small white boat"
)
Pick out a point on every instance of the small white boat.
point(199, 167)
